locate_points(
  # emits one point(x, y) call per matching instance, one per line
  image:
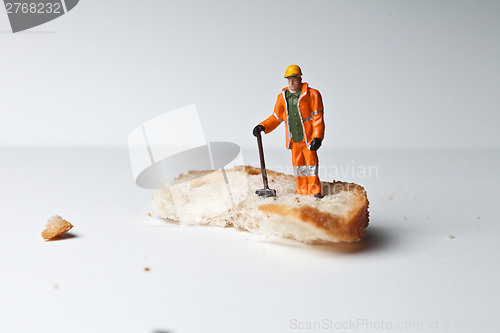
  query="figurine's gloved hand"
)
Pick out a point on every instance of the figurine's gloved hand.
point(315, 144)
point(257, 129)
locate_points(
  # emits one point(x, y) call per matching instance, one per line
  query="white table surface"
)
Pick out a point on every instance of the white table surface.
point(405, 273)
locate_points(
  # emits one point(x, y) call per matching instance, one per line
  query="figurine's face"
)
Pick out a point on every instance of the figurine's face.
point(294, 83)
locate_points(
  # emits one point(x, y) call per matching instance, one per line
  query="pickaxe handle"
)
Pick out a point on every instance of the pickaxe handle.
point(262, 161)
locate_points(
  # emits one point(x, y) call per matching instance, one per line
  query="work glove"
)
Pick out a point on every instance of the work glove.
point(257, 129)
point(315, 144)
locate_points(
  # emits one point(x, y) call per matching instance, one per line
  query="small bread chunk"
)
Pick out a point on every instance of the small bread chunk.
point(56, 227)
point(228, 199)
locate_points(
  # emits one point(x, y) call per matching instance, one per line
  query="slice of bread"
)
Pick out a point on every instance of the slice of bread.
point(227, 198)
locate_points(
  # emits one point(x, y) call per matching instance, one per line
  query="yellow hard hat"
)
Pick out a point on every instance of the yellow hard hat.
point(293, 70)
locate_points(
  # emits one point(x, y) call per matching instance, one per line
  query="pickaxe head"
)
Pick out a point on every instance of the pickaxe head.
point(266, 193)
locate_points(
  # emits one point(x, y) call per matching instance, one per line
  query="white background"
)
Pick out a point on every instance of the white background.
point(410, 87)
point(420, 74)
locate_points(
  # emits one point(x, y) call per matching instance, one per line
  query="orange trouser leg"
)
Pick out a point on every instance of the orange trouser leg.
point(299, 165)
point(305, 163)
point(302, 185)
point(314, 185)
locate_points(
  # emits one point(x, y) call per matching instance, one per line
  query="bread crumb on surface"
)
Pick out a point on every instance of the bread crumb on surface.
point(149, 214)
point(147, 269)
point(450, 236)
point(56, 227)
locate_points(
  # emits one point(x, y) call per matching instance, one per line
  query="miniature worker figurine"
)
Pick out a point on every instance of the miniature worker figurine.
point(301, 108)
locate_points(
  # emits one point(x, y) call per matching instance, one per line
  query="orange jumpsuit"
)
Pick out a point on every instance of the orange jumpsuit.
point(304, 160)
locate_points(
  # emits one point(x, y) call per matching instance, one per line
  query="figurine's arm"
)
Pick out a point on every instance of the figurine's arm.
point(318, 123)
point(276, 118)
point(271, 123)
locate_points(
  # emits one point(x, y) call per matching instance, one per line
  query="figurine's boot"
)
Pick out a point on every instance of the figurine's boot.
point(314, 185)
point(302, 185)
